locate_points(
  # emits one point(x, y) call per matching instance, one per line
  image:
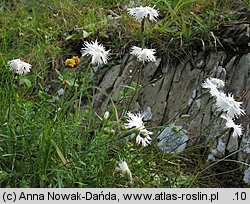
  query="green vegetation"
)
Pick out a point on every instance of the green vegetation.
point(63, 142)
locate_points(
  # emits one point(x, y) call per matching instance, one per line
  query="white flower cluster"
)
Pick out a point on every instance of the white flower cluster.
point(100, 55)
point(135, 121)
point(19, 66)
point(140, 13)
point(225, 102)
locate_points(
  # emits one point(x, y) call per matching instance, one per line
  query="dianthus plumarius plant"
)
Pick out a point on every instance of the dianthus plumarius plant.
point(51, 133)
point(225, 103)
point(97, 52)
point(19, 67)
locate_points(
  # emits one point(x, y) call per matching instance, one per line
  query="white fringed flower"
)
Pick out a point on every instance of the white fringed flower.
point(213, 84)
point(139, 13)
point(135, 121)
point(143, 137)
point(123, 167)
point(230, 124)
point(143, 54)
point(229, 105)
point(19, 66)
point(96, 51)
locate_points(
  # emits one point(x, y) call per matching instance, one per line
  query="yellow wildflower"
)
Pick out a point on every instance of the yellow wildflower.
point(72, 62)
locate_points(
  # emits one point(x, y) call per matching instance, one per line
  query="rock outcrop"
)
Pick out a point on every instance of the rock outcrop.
point(173, 88)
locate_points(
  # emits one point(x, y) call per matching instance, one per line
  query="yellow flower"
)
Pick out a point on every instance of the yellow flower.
point(72, 62)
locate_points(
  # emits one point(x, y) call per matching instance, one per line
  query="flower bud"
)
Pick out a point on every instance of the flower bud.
point(106, 115)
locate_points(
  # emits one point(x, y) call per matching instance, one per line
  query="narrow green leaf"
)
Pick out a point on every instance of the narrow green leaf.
point(60, 154)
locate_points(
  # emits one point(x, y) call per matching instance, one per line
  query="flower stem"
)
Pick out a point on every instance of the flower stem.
point(142, 32)
point(137, 88)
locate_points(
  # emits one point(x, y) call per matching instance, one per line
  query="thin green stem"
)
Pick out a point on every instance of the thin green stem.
point(142, 32)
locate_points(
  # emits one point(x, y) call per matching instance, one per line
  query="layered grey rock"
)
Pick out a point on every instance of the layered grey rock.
point(171, 88)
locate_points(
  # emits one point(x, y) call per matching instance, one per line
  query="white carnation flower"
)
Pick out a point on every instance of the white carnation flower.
point(229, 105)
point(213, 84)
point(143, 54)
point(96, 51)
point(19, 66)
point(123, 167)
point(230, 124)
point(143, 137)
point(135, 121)
point(139, 13)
